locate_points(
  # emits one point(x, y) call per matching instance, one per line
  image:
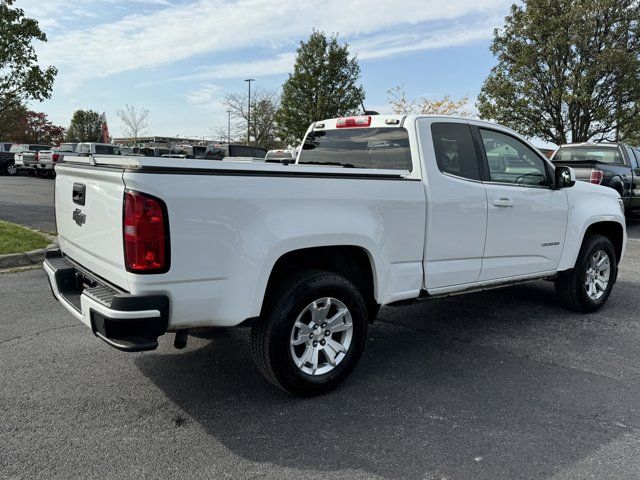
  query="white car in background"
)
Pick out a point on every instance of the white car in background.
point(48, 159)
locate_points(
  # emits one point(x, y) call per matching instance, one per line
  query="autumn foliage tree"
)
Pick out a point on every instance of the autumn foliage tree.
point(35, 127)
point(402, 105)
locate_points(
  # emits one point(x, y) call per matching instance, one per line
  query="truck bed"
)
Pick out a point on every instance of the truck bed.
point(228, 228)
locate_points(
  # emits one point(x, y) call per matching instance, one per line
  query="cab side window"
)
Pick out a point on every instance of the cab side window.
point(455, 151)
point(511, 161)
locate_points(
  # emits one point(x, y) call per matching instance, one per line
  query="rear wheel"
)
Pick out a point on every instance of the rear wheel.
point(12, 169)
point(311, 333)
point(588, 286)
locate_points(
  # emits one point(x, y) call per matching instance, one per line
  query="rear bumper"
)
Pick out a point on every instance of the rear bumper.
point(127, 322)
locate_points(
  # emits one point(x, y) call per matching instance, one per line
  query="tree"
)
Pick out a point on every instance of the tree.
point(35, 127)
point(135, 121)
point(568, 70)
point(444, 106)
point(264, 106)
point(323, 85)
point(85, 127)
point(10, 119)
point(21, 78)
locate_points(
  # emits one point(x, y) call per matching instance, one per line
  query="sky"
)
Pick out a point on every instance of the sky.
point(178, 58)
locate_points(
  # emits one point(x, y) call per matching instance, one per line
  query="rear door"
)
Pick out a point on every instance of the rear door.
point(456, 204)
point(88, 203)
point(527, 218)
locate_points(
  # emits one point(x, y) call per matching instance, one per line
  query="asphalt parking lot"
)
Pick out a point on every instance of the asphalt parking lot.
point(503, 384)
point(28, 201)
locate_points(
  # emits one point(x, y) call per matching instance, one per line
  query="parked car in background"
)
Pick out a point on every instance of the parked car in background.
point(186, 151)
point(7, 159)
point(154, 151)
point(281, 156)
point(47, 159)
point(614, 165)
point(26, 156)
point(377, 210)
point(218, 151)
point(91, 148)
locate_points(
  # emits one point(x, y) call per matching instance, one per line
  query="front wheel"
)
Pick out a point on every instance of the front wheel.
point(12, 170)
point(311, 334)
point(588, 286)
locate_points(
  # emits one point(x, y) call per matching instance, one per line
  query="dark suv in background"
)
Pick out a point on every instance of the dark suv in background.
point(614, 165)
point(7, 160)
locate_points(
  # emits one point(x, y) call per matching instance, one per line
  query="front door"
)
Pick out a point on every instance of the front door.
point(527, 219)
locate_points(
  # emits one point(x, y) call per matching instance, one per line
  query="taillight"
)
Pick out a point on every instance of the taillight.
point(37, 157)
point(55, 157)
point(596, 176)
point(351, 122)
point(146, 233)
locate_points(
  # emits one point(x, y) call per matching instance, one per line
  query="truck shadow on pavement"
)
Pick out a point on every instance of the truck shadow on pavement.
point(444, 389)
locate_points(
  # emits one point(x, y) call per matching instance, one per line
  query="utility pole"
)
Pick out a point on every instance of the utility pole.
point(249, 80)
point(228, 126)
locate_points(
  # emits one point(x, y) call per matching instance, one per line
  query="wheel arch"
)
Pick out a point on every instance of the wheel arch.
point(614, 231)
point(354, 262)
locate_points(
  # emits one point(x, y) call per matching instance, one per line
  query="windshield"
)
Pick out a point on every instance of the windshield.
point(358, 148)
point(610, 155)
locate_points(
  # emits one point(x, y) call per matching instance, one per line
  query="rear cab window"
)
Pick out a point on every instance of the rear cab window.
point(67, 147)
point(582, 153)
point(377, 148)
point(240, 151)
point(107, 150)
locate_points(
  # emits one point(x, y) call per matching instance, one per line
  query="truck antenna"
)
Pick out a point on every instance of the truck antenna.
point(364, 110)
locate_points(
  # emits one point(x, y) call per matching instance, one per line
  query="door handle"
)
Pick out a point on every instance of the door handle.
point(503, 202)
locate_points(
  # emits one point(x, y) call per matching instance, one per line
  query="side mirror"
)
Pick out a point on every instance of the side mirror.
point(565, 177)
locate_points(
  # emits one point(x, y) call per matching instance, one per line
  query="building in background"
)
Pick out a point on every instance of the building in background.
point(155, 141)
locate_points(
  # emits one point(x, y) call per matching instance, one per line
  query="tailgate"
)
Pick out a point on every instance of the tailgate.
point(88, 204)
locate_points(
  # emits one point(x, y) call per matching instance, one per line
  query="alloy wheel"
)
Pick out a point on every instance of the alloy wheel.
point(598, 275)
point(321, 336)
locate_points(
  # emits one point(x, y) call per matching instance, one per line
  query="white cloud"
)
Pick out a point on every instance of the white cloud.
point(170, 33)
point(206, 94)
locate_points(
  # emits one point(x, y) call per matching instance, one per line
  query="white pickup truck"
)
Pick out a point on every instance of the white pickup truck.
point(377, 210)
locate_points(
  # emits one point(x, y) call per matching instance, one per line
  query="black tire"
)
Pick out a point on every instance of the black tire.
point(570, 287)
point(271, 336)
point(11, 170)
point(32, 172)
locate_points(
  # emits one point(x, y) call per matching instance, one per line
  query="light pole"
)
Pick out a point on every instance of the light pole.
point(249, 80)
point(228, 126)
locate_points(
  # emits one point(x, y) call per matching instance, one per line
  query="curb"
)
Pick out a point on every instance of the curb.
point(34, 257)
